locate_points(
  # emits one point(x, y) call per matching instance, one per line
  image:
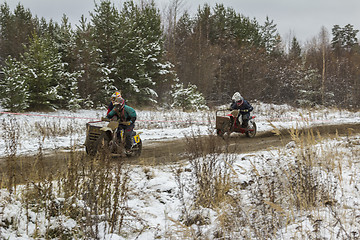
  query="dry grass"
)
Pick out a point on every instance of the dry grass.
point(209, 182)
point(300, 182)
point(11, 136)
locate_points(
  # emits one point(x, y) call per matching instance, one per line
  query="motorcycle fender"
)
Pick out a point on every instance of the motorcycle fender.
point(105, 129)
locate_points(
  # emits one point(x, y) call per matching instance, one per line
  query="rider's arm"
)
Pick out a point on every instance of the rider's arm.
point(248, 106)
point(131, 113)
point(233, 106)
point(111, 114)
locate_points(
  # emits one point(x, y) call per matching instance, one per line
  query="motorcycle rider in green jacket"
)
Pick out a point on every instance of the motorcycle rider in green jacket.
point(123, 113)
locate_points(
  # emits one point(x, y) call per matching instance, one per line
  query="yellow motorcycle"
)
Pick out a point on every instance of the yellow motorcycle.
point(106, 139)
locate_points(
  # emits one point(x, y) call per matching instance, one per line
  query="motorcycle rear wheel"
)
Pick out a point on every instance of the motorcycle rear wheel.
point(220, 132)
point(136, 150)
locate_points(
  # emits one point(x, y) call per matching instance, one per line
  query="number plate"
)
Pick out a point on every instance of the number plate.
point(136, 138)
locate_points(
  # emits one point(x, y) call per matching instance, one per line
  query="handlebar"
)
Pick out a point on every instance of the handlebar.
point(222, 110)
point(109, 120)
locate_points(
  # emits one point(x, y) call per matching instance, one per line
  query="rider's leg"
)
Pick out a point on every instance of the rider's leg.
point(245, 120)
point(128, 134)
point(238, 119)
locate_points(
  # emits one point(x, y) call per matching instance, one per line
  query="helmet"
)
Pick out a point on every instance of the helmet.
point(237, 97)
point(119, 101)
point(115, 95)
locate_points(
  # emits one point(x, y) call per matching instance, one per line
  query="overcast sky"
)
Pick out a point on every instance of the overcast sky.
point(302, 18)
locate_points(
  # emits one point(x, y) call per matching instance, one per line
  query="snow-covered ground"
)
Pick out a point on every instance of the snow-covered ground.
point(154, 193)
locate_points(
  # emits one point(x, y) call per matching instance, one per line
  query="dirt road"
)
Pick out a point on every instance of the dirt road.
point(165, 152)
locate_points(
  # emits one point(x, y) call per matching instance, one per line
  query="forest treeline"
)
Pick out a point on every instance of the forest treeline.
point(170, 58)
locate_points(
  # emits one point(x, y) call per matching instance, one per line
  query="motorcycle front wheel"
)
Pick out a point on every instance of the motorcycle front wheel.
point(90, 149)
point(252, 130)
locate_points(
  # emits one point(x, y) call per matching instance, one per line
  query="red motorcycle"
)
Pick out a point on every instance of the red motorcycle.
point(231, 122)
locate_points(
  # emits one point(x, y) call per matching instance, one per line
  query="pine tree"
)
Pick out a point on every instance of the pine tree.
point(13, 88)
point(149, 26)
point(245, 30)
point(62, 37)
point(344, 38)
point(295, 49)
point(65, 43)
point(104, 30)
point(15, 30)
point(105, 21)
point(140, 52)
point(39, 60)
point(50, 85)
point(187, 98)
point(183, 31)
point(6, 45)
point(94, 83)
point(68, 92)
point(310, 93)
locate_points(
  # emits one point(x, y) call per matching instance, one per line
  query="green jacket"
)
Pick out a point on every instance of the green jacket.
point(126, 114)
